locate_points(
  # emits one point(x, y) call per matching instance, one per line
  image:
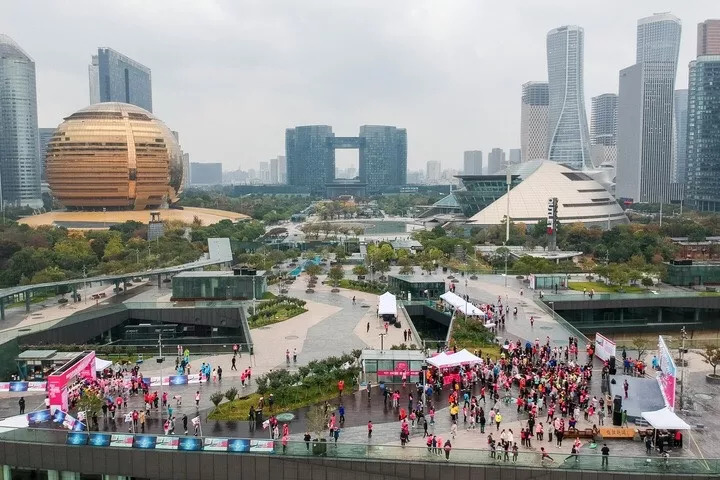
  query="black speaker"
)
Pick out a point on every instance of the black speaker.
point(617, 418)
point(613, 371)
point(611, 363)
point(617, 403)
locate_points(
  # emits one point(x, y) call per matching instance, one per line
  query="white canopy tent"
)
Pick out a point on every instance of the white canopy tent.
point(462, 357)
point(387, 304)
point(665, 419)
point(101, 364)
point(461, 305)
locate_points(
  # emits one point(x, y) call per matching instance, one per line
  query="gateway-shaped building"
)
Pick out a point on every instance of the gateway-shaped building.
point(580, 199)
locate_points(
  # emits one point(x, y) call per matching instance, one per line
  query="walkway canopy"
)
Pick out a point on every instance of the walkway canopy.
point(665, 419)
point(387, 304)
point(461, 305)
point(444, 360)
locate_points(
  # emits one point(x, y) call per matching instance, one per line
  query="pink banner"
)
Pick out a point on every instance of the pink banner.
point(397, 373)
point(58, 383)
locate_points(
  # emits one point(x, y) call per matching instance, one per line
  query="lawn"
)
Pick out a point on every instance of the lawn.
point(601, 287)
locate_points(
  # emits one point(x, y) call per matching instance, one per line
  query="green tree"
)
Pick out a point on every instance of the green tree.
point(313, 270)
point(711, 356)
point(407, 270)
point(231, 394)
point(114, 249)
point(48, 275)
point(336, 274)
point(641, 345)
point(216, 398)
point(360, 270)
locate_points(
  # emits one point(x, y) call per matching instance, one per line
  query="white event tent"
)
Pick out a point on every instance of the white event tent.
point(387, 304)
point(101, 364)
point(463, 357)
point(665, 419)
point(461, 305)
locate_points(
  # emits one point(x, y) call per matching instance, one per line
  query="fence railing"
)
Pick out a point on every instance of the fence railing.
point(587, 460)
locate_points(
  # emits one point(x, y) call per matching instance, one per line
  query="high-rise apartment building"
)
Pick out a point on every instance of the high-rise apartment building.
point(264, 172)
point(472, 162)
point(274, 171)
point(534, 121)
point(496, 161)
point(708, 38)
point(702, 185)
point(680, 119)
point(432, 174)
point(569, 138)
point(514, 156)
point(19, 156)
point(282, 169)
point(116, 78)
point(603, 129)
point(645, 112)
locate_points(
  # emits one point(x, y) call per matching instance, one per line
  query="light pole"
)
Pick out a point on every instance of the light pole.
point(552, 305)
point(683, 334)
point(382, 341)
point(85, 283)
point(160, 361)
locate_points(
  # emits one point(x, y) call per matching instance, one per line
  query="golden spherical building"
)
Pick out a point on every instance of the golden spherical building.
point(115, 156)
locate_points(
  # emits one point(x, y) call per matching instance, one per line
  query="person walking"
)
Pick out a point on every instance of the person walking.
point(294, 356)
point(233, 366)
point(21, 404)
point(425, 428)
point(625, 387)
point(197, 399)
point(605, 455)
point(498, 419)
point(367, 329)
point(306, 438)
point(624, 419)
point(370, 428)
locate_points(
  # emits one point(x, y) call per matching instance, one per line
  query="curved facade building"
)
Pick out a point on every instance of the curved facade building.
point(115, 156)
point(568, 134)
point(19, 156)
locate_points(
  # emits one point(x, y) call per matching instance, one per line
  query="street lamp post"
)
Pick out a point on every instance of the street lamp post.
point(160, 361)
point(382, 341)
point(552, 305)
point(683, 333)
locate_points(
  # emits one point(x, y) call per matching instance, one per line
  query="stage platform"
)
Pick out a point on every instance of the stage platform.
point(644, 395)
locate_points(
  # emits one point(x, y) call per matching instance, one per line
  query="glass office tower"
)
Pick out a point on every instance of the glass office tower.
point(19, 155)
point(116, 78)
point(383, 155)
point(310, 156)
point(569, 138)
point(702, 189)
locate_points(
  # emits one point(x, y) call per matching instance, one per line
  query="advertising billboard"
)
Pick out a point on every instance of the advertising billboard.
point(190, 444)
point(604, 347)
point(100, 439)
point(667, 374)
point(77, 438)
point(145, 442)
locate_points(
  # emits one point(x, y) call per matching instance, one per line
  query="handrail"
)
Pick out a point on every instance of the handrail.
point(326, 447)
point(410, 322)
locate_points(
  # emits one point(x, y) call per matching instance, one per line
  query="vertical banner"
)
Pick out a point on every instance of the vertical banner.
point(667, 374)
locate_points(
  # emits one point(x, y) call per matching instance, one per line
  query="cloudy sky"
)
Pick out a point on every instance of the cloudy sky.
point(231, 75)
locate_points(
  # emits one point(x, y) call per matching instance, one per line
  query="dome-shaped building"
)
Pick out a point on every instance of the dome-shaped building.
point(116, 156)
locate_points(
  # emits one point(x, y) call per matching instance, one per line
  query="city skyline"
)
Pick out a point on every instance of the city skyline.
point(200, 85)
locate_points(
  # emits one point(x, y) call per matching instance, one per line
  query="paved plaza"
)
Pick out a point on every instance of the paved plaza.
point(335, 325)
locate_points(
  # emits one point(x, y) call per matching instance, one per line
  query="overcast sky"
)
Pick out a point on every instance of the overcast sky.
point(230, 76)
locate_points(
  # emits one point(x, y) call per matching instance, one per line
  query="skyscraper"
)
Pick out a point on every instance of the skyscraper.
point(680, 119)
point(19, 156)
point(645, 112)
point(702, 187)
point(44, 136)
point(383, 155)
point(514, 156)
point(264, 172)
point(603, 129)
point(282, 169)
point(496, 161)
point(708, 38)
point(310, 156)
point(568, 141)
point(534, 121)
point(116, 78)
point(432, 174)
point(472, 162)
point(274, 171)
